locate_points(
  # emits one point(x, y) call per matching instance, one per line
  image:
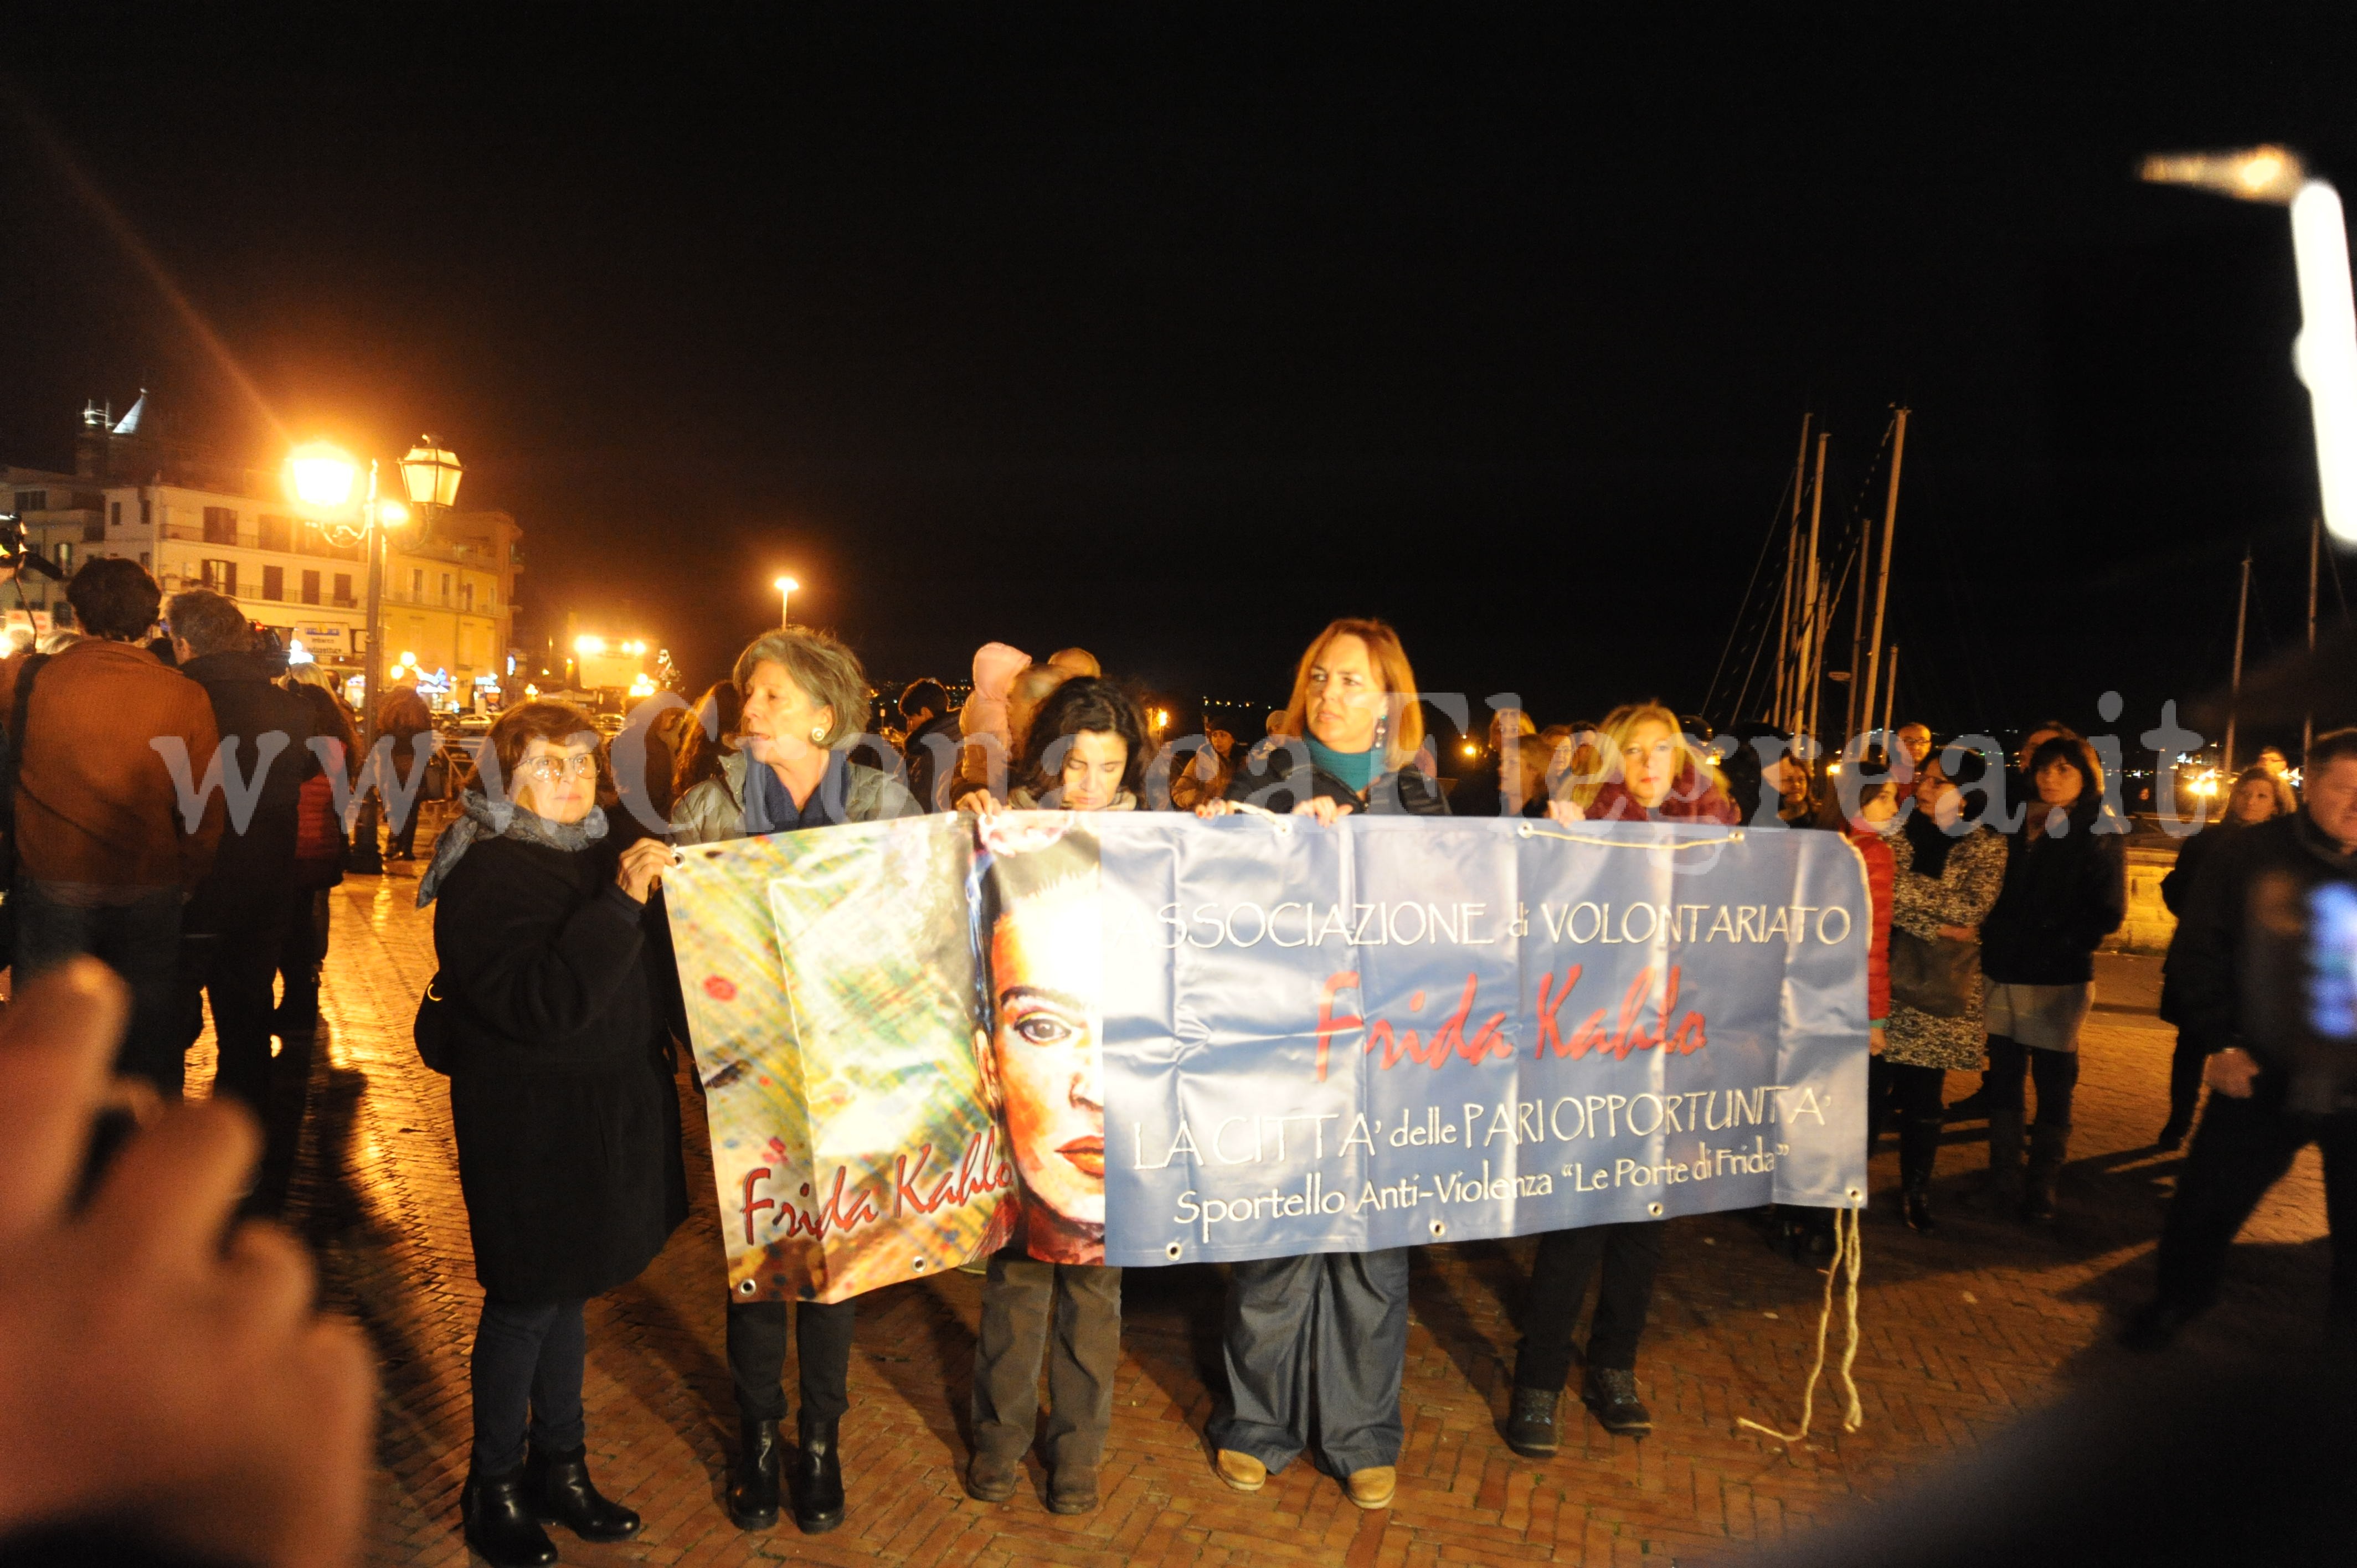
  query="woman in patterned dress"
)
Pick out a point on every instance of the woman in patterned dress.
point(1958, 868)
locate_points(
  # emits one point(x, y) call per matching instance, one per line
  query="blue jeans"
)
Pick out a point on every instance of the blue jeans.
point(1316, 1346)
point(140, 941)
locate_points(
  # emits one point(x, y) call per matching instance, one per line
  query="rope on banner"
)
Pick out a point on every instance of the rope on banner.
point(1532, 830)
point(1849, 1258)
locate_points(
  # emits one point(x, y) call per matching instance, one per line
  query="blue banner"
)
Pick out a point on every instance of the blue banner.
point(1397, 1031)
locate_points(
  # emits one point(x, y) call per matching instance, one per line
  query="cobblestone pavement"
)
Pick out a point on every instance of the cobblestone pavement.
point(1961, 1333)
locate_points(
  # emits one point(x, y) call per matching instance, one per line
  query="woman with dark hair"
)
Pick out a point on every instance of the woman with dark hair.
point(2258, 796)
point(1321, 1341)
point(706, 738)
point(804, 697)
point(2065, 890)
point(1950, 865)
point(320, 845)
point(1042, 1067)
point(562, 1102)
point(1085, 751)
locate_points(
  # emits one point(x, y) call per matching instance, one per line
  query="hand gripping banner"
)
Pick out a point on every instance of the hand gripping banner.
point(1256, 1036)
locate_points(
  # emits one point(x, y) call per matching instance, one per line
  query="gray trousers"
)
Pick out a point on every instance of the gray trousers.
point(1314, 1348)
point(1083, 1354)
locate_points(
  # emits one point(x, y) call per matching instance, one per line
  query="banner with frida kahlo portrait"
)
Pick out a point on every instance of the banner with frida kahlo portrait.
point(1145, 1038)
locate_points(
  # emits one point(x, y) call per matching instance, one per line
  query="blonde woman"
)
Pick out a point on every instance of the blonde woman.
point(1645, 768)
point(1316, 1344)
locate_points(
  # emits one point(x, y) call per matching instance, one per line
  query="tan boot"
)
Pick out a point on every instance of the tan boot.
point(1372, 1488)
point(1242, 1472)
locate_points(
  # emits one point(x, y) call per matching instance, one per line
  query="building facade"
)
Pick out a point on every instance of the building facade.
point(195, 521)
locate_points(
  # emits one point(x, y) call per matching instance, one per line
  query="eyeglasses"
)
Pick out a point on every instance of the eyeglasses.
point(549, 769)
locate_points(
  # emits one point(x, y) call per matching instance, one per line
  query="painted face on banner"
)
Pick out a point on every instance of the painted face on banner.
point(1045, 1056)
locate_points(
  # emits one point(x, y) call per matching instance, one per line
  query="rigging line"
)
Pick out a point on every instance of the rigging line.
point(1744, 604)
point(2332, 558)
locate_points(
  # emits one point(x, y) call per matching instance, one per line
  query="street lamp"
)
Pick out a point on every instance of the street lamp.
point(785, 587)
point(2325, 353)
point(322, 476)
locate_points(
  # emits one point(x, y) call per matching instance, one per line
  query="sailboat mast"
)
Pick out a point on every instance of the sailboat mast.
point(1779, 714)
point(2315, 549)
point(1890, 695)
point(2234, 702)
point(1805, 714)
point(1882, 571)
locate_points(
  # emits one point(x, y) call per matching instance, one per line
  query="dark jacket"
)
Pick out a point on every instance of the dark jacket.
point(2063, 895)
point(2239, 984)
point(1277, 778)
point(929, 774)
point(253, 865)
point(561, 1092)
point(2175, 888)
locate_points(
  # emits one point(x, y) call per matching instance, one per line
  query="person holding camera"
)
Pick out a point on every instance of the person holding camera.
point(2263, 968)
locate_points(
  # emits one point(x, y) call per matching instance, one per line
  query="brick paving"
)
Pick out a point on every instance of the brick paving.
point(1961, 1333)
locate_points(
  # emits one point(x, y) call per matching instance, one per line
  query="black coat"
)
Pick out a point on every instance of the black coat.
point(561, 1090)
point(254, 865)
point(1273, 777)
point(927, 772)
point(2176, 891)
point(2063, 895)
point(2236, 982)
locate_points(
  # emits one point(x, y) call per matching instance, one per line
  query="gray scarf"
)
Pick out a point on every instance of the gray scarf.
point(503, 819)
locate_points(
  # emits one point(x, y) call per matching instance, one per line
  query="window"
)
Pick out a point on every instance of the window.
point(221, 577)
point(32, 500)
point(64, 554)
point(273, 582)
point(114, 514)
point(466, 597)
point(310, 587)
point(93, 527)
point(61, 618)
point(146, 519)
point(277, 532)
point(221, 525)
point(145, 564)
point(416, 585)
point(343, 588)
point(88, 501)
point(446, 588)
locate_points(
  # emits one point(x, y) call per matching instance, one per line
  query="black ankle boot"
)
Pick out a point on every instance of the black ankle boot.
point(557, 1486)
point(1915, 1203)
point(818, 1478)
point(499, 1521)
point(753, 1488)
point(1531, 1428)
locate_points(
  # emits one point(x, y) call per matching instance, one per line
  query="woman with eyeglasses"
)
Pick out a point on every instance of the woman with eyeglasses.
point(804, 695)
point(1316, 1344)
point(562, 1105)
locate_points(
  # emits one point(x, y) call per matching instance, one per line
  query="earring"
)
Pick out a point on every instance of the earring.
point(818, 734)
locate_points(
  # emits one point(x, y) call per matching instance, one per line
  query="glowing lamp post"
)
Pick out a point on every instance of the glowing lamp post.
point(785, 587)
point(323, 478)
point(2325, 353)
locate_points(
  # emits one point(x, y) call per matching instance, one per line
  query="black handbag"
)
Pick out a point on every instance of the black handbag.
point(1939, 976)
point(432, 1027)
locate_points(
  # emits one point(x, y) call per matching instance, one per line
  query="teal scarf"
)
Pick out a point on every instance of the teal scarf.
point(1356, 769)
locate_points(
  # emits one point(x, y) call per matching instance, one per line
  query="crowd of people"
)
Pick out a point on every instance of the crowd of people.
point(177, 814)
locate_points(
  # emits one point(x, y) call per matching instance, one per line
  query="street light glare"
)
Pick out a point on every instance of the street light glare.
point(2325, 353)
point(2269, 174)
point(589, 647)
point(392, 513)
point(785, 586)
point(320, 474)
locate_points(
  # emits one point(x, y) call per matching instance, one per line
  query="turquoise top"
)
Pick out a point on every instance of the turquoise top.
point(1356, 769)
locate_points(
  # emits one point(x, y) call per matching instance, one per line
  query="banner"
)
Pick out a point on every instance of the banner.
point(1147, 1038)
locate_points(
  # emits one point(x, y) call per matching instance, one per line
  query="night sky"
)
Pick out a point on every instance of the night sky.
point(1174, 332)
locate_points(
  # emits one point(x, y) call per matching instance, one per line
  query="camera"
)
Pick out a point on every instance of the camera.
point(19, 556)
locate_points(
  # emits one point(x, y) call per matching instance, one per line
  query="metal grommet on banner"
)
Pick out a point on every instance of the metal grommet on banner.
point(1855, 1195)
point(1284, 827)
point(920, 1265)
point(1735, 837)
point(1521, 830)
point(1655, 1210)
point(1172, 1251)
point(745, 1285)
point(1438, 1228)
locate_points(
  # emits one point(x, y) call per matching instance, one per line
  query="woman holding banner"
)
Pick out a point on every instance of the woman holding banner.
point(1649, 772)
point(804, 695)
point(1324, 1337)
point(562, 1102)
point(1042, 1069)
